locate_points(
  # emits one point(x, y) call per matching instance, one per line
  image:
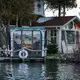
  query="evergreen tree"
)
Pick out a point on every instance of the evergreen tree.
point(16, 9)
point(60, 4)
point(13, 10)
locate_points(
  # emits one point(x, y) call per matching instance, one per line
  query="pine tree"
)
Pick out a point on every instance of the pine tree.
point(60, 4)
point(13, 10)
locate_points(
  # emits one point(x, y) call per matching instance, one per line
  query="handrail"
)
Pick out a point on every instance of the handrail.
point(22, 49)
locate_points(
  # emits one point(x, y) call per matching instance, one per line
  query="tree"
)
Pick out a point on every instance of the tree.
point(22, 9)
point(14, 10)
point(60, 4)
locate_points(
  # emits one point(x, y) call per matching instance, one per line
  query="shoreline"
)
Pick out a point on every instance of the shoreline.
point(58, 58)
point(69, 60)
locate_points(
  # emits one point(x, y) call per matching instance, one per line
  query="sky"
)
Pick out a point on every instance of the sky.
point(71, 12)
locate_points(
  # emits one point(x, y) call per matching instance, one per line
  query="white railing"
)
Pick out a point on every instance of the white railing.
point(22, 49)
point(10, 51)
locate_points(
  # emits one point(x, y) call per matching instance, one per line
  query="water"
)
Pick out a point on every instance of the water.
point(40, 71)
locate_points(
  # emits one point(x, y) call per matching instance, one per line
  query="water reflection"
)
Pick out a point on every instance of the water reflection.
point(62, 71)
point(50, 70)
point(21, 71)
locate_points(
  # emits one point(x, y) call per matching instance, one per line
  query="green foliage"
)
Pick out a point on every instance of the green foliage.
point(10, 9)
point(52, 48)
point(13, 11)
point(59, 4)
point(56, 3)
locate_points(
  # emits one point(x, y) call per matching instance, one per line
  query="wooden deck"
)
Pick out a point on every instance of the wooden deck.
point(8, 59)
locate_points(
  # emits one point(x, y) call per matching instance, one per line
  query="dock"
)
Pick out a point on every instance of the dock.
point(13, 59)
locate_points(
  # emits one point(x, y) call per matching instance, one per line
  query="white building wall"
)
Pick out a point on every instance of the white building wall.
point(66, 47)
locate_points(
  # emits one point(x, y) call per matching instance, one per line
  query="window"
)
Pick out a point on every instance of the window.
point(70, 37)
point(31, 39)
point(39, 7)
point(63, 35)
point(53, 36)
point(17, 40)
point(36, 40)
point(27, 39)
point(77, 37)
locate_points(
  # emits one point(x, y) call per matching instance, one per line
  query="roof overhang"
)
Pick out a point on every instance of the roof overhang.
point(71, 20)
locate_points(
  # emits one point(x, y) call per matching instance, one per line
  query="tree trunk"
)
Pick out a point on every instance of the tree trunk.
point(8, 23)
point(30, 23)
point(64, 10)
point(8, 34)
point(59, 11)
point(2, 34)
point(20, 22)
point(17, 19)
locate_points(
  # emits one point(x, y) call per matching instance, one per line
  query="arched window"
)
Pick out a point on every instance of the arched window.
point(39, 7)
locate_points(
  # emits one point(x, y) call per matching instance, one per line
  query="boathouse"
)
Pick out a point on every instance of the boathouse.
point(27, 42)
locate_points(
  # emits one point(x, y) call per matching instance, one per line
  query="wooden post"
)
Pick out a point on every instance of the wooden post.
point(60, 40)
point(43, 36)
point(66, 42)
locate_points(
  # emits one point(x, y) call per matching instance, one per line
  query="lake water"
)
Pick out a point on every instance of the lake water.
point(40, 71)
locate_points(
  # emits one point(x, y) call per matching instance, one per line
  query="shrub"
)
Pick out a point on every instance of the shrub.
point(52, 48)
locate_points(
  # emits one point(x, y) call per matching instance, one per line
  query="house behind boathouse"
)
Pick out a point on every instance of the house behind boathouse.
point(65, 31)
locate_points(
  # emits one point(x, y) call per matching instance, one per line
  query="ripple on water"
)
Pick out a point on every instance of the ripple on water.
point(21, 71)
point(40, 71)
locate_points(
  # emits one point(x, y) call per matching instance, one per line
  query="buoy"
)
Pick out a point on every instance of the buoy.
point(23, 54)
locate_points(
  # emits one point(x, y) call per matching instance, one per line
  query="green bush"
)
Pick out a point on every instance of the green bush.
point(52, 49)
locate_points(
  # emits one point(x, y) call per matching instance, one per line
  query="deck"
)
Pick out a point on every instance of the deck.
point(13, 59)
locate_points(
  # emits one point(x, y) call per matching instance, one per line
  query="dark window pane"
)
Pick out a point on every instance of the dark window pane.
point(70, 37)
point(36, 40)
point(27, 39)
point(63, 35)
